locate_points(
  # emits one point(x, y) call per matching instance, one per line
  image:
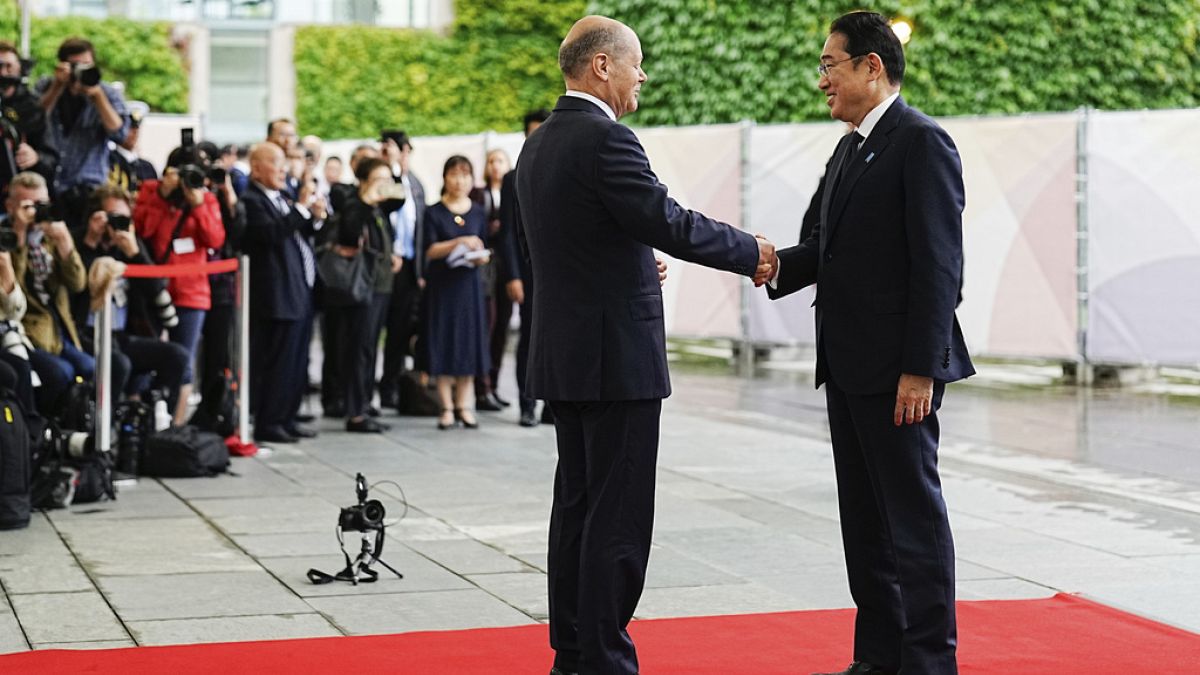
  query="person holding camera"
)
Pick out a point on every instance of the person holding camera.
point(139, 310)
point(84, 114)
point(14, 344)
point(48, 268)
point(180, 219)
point(455, 324)
point(26, 144)
point(378, 196)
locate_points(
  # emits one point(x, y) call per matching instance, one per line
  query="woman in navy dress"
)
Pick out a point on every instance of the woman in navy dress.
point(455, 325)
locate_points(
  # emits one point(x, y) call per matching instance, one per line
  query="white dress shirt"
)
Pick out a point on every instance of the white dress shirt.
point(601, 104)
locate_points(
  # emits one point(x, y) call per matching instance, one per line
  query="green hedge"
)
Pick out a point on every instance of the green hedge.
point(137, 53)
point(712, 62)
point(498, 61)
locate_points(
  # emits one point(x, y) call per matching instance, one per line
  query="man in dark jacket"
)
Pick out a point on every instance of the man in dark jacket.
point(31, 149)
point(592, 213)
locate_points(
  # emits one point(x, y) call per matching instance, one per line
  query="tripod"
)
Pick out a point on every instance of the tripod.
point(358, 569)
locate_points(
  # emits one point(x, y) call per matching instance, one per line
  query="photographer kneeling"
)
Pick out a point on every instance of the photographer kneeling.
point(141, 307)
point(180, 220)
point(48, 269)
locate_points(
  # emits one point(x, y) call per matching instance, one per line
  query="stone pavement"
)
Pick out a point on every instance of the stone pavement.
point(1050, 489)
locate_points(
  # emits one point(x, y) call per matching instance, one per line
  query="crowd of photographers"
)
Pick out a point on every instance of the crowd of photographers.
point(350, 260)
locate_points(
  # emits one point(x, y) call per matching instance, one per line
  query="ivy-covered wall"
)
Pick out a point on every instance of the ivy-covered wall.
point(712, 61)
point(137, 53)
point(498, 61)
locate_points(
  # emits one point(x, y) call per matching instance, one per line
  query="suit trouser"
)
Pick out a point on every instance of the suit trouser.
point(600, 529)
point(525, 401)
point(499, 331)
point(348, 328)
point(368, 347)
point(899, 551)
point(278, 357)
point(333, 386)
point(401, 326)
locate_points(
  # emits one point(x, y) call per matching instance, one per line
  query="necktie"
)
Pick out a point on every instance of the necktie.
point(306, 254)
point(856, 140)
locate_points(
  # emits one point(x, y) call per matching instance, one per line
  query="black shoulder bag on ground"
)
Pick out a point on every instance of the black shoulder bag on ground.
point(184, 452)
point(218, 411)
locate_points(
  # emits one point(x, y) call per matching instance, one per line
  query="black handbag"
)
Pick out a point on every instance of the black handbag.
point(347, 281)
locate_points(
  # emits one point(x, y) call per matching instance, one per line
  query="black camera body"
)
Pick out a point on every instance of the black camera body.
point(191, 176)
point(118, 221)
point(47, 212)
point(8, 240)
point(365, 516)
point(87, 75)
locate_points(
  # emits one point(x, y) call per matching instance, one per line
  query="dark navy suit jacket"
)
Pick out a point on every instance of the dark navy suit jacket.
point(591, 212)
point(278, 290)
point(886, 255)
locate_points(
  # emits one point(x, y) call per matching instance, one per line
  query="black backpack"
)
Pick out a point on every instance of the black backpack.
point(78, 406)
point(218, 411)
point(16, 464)
point(184, 452)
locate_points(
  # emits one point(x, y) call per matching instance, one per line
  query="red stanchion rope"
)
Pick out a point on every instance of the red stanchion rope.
point(171, 271)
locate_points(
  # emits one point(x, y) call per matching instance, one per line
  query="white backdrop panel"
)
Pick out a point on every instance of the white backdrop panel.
point(1144, 237)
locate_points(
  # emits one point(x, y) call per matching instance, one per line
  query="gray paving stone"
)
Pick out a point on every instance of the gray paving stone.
point(67, 617)
point(268, 545)
point(34, 576)
point(250, 479)
point(711, 600)
point(1001, 589)
point(525, 591)
point(670, 567)
point(215, 594)
point(232, 629)
point(98, 644)
point(39, 539)
point(152, 546)
point(419, 574)
point(401, 612)
point(467, 556)
point(145, 499)
point(12, 638)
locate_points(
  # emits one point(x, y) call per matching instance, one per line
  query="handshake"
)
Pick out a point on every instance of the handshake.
point(768, 262)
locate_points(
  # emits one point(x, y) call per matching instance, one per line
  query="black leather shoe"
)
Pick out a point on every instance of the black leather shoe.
point(305, 418)
point(497, 399)
point(442, 426)
point(860, 668)
point(300, 432)
point(547, 414)
point(373, 412)
point(365, 426)
point(487, 403)
point(273, 435)
point(528, 419)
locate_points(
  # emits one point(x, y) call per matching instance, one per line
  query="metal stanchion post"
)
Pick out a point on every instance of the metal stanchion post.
point(104, 403)
point(244, 349)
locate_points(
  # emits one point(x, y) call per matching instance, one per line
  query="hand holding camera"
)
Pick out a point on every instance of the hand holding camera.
point(122, 234)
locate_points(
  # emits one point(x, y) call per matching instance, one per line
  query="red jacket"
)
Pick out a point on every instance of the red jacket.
point(155, 220)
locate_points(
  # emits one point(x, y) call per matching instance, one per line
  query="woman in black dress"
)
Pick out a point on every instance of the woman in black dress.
point(455, 324)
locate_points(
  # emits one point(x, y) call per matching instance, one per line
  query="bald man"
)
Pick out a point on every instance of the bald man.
point(592, 213)
point(282, 272)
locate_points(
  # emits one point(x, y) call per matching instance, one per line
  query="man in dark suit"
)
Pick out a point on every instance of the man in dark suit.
point(518, 281)
point(282, 272)
point(408, 223)
point(886, 255)
point(592, 213)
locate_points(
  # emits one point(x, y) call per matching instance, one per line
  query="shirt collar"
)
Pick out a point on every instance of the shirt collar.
point(601, 104)
point(873, 117)
point(273, 194)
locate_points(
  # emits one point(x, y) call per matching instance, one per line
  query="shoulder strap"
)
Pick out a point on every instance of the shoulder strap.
point(187, 211)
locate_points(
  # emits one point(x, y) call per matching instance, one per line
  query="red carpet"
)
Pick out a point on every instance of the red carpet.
point(1058, 635)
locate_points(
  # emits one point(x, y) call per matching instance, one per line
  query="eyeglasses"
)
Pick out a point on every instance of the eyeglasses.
point(823, 69)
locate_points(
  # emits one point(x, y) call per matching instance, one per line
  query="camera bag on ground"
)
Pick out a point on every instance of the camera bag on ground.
point(416, 399)
point(184, 452)
point(16, 462)
point(135, 424)
point(218, 411)
point(68, 470)
point(94, 480)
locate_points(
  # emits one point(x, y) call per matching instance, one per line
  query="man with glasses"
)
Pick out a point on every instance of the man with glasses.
point(24, 139)
point(886, 255)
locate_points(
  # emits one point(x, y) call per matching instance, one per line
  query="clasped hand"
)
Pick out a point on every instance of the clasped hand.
point(768, 261)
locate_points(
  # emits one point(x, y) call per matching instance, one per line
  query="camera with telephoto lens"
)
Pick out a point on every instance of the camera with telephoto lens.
point(216, 176)
point(191, 176)
point(366, 515)
point(166, 309)
point(86, 74)
point(118, 221)
point(47, 212)
point(8, 240)
point(67, 443)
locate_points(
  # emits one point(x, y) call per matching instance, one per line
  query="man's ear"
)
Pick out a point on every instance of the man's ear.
point(600, 66)
point(874, 65)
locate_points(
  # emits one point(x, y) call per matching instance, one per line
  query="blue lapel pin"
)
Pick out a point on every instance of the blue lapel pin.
point(870, 157)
